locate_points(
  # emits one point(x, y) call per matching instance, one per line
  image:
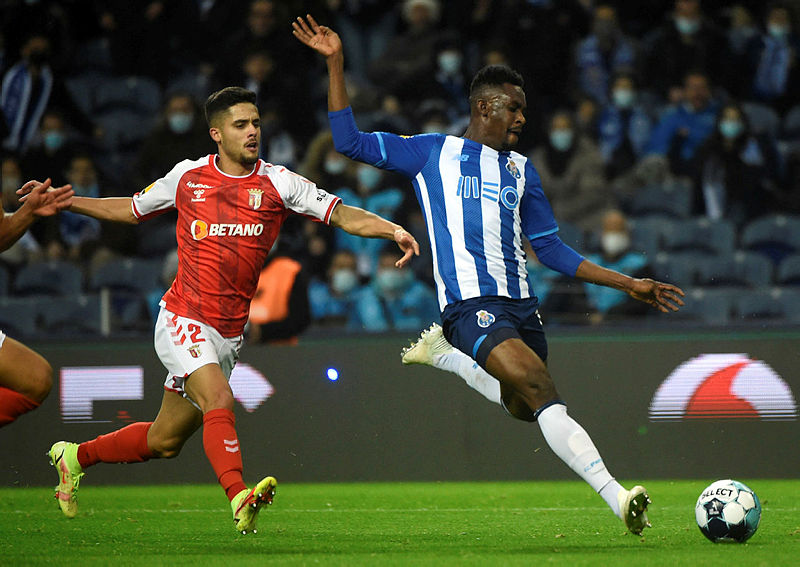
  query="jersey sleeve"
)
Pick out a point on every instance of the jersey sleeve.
point(404, 154)
point(159, 196)
point(536, 213)
point(303, 196)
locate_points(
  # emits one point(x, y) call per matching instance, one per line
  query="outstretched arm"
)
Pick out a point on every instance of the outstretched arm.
point(665, 297)
point(114, 209)
point(364, 223)
point(41, 201)
point(325, 41)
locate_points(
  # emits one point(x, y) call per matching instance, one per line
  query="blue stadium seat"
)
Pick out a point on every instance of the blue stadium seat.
point(572, 235)
point(763, 305)
point(746, 269)
point(789, 271)
point(126, 274)
point(701, 235)
point(123, 128)
point(138, 94)
point(763, 119)
point(776, 236)
point(707, 306)
point(19, 315)
point(672, 199)
point(649, 234)
point(54, 277)
point(679, 268)
point(71, 315)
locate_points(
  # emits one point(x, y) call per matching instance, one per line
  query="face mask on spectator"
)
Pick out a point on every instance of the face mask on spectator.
point(450, 62)
point(687, 26)
point(343, 281)
point(335, 166)
point(180, 122)
point(53, 140)
point(623, 98)
point(730, 129)
point(778, 31)
point(614, 243)
point(391, 281)
point(561, 139)
point(369, 177)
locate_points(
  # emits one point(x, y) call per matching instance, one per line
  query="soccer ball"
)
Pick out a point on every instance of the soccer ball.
point(728, 511)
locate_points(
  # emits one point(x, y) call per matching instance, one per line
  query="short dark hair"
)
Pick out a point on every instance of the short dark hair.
point(222, 100)
point(493, 76)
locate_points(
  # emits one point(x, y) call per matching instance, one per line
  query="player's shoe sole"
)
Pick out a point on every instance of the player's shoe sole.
point(633, 506)
point(64, 457)
point(247, 503)
point(431, 342)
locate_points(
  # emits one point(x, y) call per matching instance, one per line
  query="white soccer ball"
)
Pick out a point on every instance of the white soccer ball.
point(727, 510)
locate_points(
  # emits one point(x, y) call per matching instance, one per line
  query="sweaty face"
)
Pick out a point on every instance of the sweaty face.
point(240, 133)
point(506, 116)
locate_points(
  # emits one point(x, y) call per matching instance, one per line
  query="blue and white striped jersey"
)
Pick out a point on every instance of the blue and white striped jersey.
point(477, 204)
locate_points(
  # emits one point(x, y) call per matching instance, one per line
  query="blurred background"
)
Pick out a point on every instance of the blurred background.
point(666, 134)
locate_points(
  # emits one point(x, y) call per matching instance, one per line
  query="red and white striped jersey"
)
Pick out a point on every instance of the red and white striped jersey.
point(226, 226)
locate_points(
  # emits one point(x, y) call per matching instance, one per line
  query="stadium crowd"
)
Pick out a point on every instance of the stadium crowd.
point(666, 134)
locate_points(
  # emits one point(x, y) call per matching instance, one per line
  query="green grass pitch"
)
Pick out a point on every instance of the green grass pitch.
point(441, 524)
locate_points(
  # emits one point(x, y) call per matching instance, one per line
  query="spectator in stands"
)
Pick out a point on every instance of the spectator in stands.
point(52, 155)
point(774, 58)
point(684, 128)
point(624, 127)
point(280, 308)
point(449, 82)
point(687, 40)
point(368, 25)
point(378, 192)
point(395, 299)
point(169, 269)
point(27, 87)
point(178, 134)
point(616, 253)
point(603, 53)
point(264, 31)
point(80, 235)
point(27, 248)
point(408, 58)
point(571, 170)
point(737, 175)
point(333, 300)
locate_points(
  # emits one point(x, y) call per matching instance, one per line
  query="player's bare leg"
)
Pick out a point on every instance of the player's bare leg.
point(209, 388)
point(25, 380)
point(529, 393)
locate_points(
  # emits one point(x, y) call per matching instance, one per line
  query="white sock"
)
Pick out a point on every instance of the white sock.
point(573, 445)
point(469, 370)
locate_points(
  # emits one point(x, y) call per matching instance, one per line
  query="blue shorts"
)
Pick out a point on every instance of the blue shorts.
point(475, 326)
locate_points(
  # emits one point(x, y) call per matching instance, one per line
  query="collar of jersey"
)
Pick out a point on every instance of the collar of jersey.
point(215, 166)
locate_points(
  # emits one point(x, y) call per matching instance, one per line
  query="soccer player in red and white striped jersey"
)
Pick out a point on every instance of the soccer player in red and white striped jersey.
point(230, 209)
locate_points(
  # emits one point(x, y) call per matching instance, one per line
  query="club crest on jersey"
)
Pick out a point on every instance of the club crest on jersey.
point(512, 168)
point(194, 350)
point(484, 318)
point(255, 198)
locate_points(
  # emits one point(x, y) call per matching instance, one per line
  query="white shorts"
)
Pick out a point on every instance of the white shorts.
point(2, 338)
point(184, 345)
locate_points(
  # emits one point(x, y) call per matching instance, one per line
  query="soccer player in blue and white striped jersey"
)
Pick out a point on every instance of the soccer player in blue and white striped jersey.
point(479, 199)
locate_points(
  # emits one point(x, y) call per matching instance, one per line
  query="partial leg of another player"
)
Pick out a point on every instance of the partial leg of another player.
point(25, 379)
